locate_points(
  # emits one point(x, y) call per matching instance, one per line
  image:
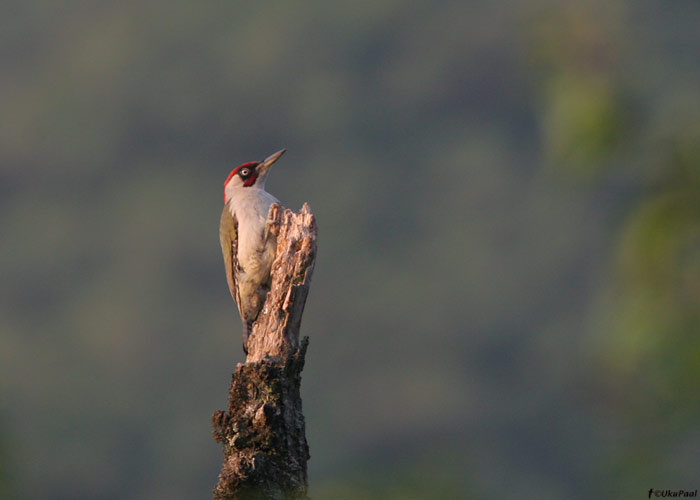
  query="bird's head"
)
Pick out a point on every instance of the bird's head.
point(249, 174)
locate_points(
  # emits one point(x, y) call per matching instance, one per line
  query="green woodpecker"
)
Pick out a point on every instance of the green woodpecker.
point(246, 242)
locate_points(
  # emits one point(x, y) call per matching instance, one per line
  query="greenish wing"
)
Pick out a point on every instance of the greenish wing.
point(229, 248)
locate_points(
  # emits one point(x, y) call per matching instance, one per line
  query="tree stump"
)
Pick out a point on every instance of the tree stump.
point(263, 431)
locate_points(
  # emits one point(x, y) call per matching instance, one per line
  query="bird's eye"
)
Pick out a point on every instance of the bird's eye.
point(245, 172)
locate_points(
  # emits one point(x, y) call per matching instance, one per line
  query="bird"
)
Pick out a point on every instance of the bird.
point(247, 244)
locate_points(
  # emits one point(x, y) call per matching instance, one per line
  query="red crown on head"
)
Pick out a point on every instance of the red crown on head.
point(249, 164)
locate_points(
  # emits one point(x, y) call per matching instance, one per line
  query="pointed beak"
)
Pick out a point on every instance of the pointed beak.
point(267, 163)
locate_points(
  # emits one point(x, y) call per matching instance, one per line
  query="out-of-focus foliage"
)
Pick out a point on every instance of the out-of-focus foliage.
point(647, 336)
point(653, 351)
point(579, 55)
point(480, 324)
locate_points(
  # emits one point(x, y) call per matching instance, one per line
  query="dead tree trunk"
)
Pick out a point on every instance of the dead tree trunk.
point(262, 432)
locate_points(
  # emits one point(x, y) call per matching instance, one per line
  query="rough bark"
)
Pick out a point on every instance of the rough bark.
point(262, 432)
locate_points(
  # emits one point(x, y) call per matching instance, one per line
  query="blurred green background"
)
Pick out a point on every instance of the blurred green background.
point(506, 301)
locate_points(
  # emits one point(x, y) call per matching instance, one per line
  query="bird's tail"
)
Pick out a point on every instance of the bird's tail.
point(247, 328)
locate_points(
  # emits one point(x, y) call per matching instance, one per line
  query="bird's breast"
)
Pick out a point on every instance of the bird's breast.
point(255, 253)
